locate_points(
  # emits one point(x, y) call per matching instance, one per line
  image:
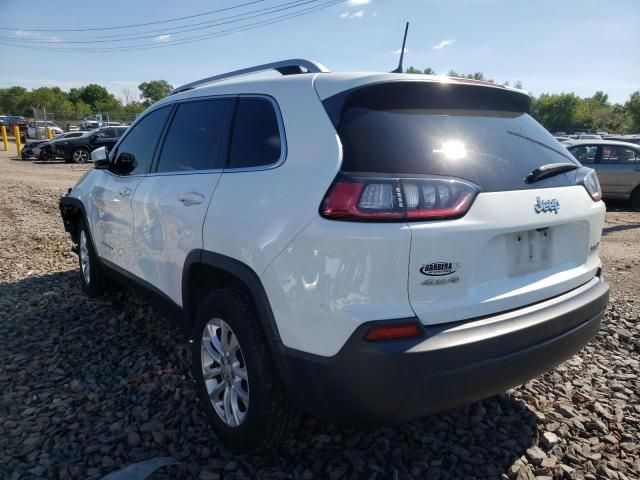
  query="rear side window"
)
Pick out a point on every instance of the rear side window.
point(137, 148)
point(196, 139)
point(476, 133)
point(256, 138)
point(586, 154)
point(618, 155)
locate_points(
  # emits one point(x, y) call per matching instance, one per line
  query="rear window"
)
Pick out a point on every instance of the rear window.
point(480, 134)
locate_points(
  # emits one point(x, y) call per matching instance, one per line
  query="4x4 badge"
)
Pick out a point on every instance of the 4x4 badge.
point(438, 269)
point(542, 206)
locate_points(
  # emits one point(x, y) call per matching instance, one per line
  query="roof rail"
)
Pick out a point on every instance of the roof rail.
point(285, 67)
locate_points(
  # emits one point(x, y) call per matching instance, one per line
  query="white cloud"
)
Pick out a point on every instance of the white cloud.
point(37, 35)
point(443, 43)
point(397, 52)
point(357, 3)
point(162, 38)
point(358, 14)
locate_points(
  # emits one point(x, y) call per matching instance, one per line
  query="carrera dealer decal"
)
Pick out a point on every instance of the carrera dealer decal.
point(438, 269)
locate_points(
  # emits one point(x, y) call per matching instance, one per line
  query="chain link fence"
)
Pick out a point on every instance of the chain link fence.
point(67, 121)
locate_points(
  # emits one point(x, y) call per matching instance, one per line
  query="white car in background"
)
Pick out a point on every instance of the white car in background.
point(39, 129)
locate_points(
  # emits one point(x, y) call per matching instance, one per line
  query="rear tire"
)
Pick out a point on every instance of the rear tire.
point(80, 155)
point(91, 274)
point(45, 155)
point(634, 200)
point(239, 370)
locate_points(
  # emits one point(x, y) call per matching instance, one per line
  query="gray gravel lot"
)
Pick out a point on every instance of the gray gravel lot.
point(89, 386)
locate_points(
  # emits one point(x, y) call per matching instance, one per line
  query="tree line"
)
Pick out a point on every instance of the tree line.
point(565, 112)
point(570, 113)
point(83, 101)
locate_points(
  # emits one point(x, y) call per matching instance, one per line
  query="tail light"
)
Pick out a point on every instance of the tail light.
point(588, 178)
point(376, 198)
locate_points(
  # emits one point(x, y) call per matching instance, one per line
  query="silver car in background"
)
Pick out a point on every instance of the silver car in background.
point(617, 165)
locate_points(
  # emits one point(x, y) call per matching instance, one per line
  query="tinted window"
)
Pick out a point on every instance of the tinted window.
point(256, 136)
point(476, 133)
point(138, 146)
point(196, 139)
point(107, 133)
point(616, 154)
point(586, 154)
point(120, 131)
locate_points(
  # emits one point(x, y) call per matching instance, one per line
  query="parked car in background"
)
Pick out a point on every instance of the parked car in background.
point(617, 165)
point(624, 138)
point(78, 149)
point(47, 149)
point(112, 124)
point(33, 149)
point(20, 121)
point(39, 129)
point(561, 138)
point(89, 123)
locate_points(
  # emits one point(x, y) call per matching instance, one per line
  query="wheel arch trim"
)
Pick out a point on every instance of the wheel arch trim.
point(239, 270)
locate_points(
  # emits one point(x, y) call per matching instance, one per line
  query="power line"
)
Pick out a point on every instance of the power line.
point(146, 46)
point(134, 24)
point(210, 24)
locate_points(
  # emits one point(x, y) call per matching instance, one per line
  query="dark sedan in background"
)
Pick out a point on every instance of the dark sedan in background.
point(79, 149)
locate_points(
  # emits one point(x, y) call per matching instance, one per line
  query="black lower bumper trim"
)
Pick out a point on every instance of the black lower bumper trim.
point(452, 365)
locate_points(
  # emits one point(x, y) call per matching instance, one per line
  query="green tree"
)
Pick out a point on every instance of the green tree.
point(632, 111)
point(95, 95)
point(556, 112)
point(154, 90)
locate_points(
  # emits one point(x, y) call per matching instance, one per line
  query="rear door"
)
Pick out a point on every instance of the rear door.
point(170, 205)
point(519, 242)
point(618, 170)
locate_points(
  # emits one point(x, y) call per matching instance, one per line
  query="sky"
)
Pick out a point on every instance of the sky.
point(549, 45)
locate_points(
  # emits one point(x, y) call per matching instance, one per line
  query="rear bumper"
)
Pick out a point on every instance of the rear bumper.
point(451, 365)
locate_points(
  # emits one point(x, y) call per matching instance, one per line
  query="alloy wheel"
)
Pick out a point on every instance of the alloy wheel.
point(85, 265)
point(225, 372)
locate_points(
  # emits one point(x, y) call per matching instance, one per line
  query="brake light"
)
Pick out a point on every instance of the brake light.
point(588, 178)
point(362, 198)
point(393, 332)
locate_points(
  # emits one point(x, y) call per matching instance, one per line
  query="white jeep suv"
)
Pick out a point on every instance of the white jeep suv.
point(361, 247)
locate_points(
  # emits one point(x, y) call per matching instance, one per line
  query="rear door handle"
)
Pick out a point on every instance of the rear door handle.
point(125, 192)
point(191, 198)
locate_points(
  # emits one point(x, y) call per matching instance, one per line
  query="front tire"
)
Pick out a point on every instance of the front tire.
point(93, 280)
point(80, 155)
point(239, 388)
point(45, 155)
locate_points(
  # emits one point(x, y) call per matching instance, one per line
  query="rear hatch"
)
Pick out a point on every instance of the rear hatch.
point(452, 161)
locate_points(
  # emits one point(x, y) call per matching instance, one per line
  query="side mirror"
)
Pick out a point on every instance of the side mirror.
point(123, 164)
point(100, 158)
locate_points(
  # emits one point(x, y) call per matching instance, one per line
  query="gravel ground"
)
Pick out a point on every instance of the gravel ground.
point(89, 386)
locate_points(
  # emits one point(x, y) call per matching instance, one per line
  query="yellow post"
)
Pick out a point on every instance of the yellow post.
point(16, 133)
point(5, 140)
point(49, 133)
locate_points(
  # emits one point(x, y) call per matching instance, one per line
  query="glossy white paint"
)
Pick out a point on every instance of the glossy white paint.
point(484, 243)
point(333, 277)
point(168, 212)
point(112, 217)
point(255, 214)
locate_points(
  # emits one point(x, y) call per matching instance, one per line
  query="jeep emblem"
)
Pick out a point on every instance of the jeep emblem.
point(437, 269)
point(543, 206)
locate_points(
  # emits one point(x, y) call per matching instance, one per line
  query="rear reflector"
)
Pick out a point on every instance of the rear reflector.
point(374, 198)
point(393, 332)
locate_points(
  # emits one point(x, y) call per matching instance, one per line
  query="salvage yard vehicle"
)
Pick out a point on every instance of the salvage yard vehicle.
point(360, 247)
point(33, 149)
point(78, 148)
point(617, 165)
point(39, 129)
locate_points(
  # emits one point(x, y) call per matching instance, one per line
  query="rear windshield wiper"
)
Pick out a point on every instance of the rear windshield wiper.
point(549, 170)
